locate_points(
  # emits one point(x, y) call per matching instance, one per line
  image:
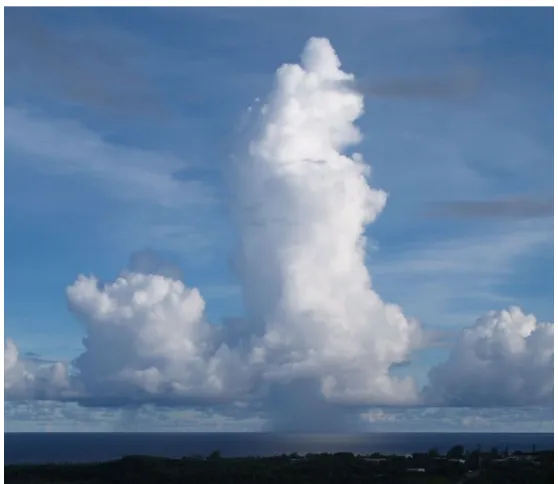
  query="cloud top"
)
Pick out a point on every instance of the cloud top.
point(302, 207)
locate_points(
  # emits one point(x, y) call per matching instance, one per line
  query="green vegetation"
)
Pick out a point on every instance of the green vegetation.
point(457, 466)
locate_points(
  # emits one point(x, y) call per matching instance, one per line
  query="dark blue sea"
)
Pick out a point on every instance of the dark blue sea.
point(77, 447)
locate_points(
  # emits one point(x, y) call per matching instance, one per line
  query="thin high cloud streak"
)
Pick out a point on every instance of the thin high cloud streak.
point(314, 325)
point(429, 280)
point(461, 85)
point(65, 147)
point(520, 208)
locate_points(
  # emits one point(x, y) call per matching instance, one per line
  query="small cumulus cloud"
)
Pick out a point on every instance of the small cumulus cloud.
point(29, 378)
point(506, 358)
point(147, 338)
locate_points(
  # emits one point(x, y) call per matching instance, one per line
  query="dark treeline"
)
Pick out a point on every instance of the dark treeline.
point(457, 466)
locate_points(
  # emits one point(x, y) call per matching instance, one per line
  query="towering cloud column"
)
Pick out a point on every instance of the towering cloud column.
point(302, 208)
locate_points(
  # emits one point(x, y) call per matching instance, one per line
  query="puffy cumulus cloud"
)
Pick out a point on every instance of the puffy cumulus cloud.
point(147, 339)
point(506, 358)
point(31, 379)
point(302, 206)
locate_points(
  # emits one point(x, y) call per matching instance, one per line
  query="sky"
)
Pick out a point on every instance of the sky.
point(252, 219)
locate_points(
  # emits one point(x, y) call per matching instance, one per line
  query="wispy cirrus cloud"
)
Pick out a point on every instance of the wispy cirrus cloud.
point(449, 281)
point(68, 148)
point(153, 198)
point(483, 254)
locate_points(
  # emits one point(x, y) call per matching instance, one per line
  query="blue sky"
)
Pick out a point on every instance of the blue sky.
point(101, 105)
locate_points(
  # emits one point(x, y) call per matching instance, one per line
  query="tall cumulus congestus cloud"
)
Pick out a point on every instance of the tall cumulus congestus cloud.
point(302, 206)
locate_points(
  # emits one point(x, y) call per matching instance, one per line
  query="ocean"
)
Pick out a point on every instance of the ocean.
point(89, 447)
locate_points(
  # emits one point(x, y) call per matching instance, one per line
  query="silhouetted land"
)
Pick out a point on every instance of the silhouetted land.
point(457, 466)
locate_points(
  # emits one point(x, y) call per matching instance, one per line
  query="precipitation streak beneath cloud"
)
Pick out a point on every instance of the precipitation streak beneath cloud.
point(313, 321)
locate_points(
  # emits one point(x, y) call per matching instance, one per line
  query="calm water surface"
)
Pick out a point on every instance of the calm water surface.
point(78, 447)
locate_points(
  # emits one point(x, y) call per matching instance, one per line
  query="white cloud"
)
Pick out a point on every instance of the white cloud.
point(506, 358)
point(147, 338)
point(146, 341)
point(302, 206)
point(26, 378)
